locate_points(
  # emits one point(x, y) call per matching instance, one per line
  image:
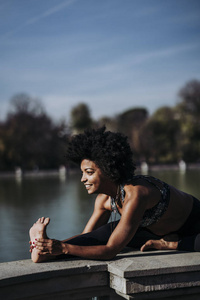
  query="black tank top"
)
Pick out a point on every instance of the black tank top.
point(153, 214)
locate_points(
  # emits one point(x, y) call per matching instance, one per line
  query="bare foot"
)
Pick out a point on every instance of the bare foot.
point(169, 242)
point(38, 230)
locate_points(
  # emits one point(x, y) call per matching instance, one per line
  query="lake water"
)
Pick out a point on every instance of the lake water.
point(66, 202)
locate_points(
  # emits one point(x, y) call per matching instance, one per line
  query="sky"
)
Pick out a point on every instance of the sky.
point(112, 55)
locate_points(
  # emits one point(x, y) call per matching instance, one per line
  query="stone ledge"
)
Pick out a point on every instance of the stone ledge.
point(26, 280)
point(132, 275)
point(25, 270)
point(136, 264)
point(136, 275)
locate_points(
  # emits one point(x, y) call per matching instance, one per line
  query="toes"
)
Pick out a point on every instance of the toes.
point(46, 221)
point(40, 220)
point(148, 245)
point(43, 220)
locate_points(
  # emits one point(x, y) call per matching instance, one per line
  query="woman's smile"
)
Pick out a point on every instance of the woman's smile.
point(87, 186)
point(91, 176)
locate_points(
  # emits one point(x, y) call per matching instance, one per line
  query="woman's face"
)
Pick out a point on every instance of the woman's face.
point(92, 177)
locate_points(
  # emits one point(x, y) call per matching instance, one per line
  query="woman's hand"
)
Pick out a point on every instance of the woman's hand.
point(50, 246)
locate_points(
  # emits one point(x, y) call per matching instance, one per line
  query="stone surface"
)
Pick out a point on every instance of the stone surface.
point(132, 275)
point(68, 279)
point(154, 263)
point(153, 273)
point(25, 270)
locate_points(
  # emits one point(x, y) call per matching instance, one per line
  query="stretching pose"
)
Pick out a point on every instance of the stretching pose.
point(154, 215)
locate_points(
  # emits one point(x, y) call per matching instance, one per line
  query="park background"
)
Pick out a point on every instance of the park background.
point(132, 65)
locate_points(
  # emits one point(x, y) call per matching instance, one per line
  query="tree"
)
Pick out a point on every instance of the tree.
point(159, 137)
point(110, 123)
point(130, 123)
point(188, 113)
point(80, 118)
point(190, 98)
point(24, 103)
point(30, 138)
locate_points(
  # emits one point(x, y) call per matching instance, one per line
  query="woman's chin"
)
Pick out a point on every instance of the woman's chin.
point(90, 191)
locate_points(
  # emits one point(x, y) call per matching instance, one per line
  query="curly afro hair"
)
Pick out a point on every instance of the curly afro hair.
point(110, 151)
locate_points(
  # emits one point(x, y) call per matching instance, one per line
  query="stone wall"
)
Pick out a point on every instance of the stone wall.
point(131, 275)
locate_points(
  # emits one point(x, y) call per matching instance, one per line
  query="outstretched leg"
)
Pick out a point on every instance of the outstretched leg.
point(197, 243)
point(38, 230)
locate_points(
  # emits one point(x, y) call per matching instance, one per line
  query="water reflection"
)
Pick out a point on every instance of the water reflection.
point(66, 202)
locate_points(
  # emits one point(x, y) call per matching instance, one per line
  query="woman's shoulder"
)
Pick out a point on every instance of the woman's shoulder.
point(102, 201)
point(102, 197)
point(148, 182)
point(137, 189)
point(139, 182)
point(144, 189)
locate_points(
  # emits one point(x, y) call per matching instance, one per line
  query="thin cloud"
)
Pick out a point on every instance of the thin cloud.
point(51, 11)
point(45, 14)
point(163, 53)
point(137, 59)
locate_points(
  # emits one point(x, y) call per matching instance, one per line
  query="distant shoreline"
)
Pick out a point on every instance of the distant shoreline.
point(56, 173)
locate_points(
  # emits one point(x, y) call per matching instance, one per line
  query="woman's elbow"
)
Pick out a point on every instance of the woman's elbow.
point(109, 254)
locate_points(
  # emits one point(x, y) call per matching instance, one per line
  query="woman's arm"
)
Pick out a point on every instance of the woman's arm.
point(99, 217)
point(132, 212)
point(101, 213)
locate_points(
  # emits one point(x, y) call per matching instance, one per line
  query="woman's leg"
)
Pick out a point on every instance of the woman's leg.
point(187, 238)
point(190, 231)
point(99, 236)
point(197, 243)
point(146, 240)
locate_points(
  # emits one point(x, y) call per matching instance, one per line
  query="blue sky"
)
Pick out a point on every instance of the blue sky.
point(110, 54)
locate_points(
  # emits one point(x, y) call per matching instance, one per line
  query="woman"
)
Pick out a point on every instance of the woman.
point(153, 214)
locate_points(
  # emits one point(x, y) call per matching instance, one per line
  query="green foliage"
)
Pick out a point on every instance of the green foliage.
point(188, 112)
point(160, 137)
point(30, 139)
point(110, 123)
point(80, 118)
point(130, 123)
point(190, 98)
point(171, 133)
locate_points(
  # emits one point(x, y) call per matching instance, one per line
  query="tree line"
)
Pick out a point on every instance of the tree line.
point(31, 140)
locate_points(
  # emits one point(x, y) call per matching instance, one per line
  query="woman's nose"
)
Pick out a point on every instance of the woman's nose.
point(83, 178)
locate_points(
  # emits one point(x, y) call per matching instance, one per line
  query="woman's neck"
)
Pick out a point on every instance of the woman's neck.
point(111, 189)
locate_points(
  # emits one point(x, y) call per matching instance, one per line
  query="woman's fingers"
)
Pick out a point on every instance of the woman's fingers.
point(41, 240)
point(44, 245)
point(47, 246)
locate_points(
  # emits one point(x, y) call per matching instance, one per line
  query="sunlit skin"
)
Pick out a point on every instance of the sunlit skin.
point(138, 198)
point(95, 181)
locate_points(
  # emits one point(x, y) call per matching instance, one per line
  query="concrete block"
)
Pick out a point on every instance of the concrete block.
point(24, 279)
point(151, 272)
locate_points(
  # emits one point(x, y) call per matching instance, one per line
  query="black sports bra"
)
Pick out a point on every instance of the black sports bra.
point(153, 214)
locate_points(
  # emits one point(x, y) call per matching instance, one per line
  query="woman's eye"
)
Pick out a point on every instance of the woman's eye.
point(89, 173)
